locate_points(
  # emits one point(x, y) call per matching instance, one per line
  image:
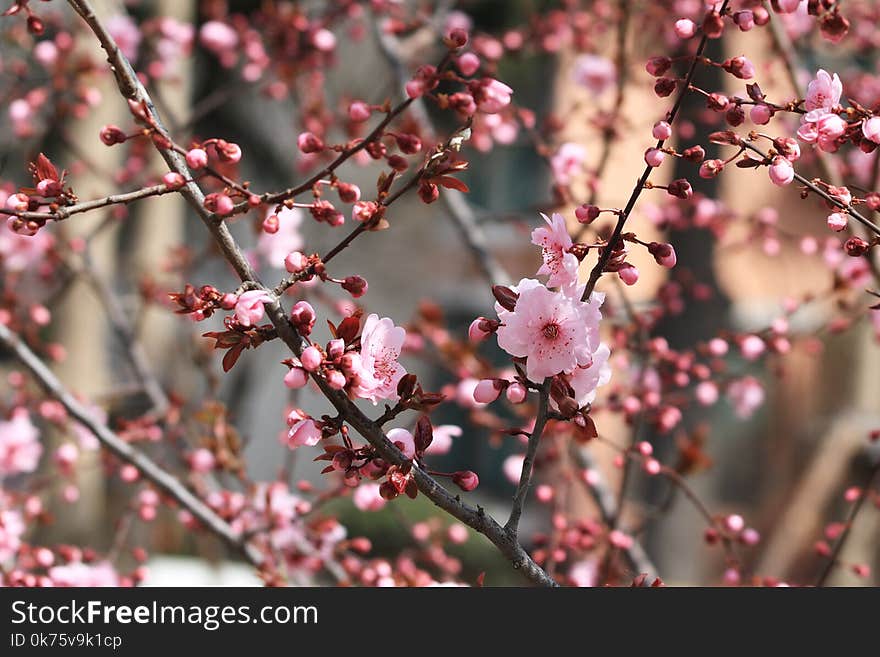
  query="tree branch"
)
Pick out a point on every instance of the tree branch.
point(162, 479)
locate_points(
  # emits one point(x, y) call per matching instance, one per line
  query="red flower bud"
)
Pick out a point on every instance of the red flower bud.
point(467, 480)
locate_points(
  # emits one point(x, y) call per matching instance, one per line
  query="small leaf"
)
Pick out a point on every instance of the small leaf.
point(451, 183)
point(231, 357)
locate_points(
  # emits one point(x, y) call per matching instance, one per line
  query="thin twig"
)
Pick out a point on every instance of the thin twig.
point(525, 478)
point(65, 211)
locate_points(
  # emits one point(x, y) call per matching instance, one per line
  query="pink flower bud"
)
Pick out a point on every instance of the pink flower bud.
point(752, 347)
point(335, 379)
point(680, 188)
point(309, 143)
point(302, 316)
point(871, 129)
point(468, 64)
point(760, 114)
point(628, 274)
point(516, 393)
point(466, 480)
point(404, 441)
point(18, 202)
point(348, 193)
point(475, 332)
point(739, 67)
point(173, 180)
point(227, 151)
point(663, 253)
point(711, 168)
point(781, 172)
point(486, 391)
point(837, 221)
point(685, 28)
point(271, 224)
point(196, 158)
point(202, 460)
point(662, 130)
point(311, 358)
point(296, 378)
point(220, 204)
point(734, 523)
point(654, 157)
point(359, 111)
point(856, 247)
point(304, 432)
point(586, 214)
point(295, 262)
point(718, 347)
point(111, 134)
point(355, 285)
point(745, 20)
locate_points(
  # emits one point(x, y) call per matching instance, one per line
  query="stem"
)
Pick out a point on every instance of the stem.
point(525, 478)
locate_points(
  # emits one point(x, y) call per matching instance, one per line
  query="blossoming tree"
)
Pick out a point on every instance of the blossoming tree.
point(585, 370)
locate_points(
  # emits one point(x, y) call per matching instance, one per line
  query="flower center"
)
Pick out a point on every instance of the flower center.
point(550, 331)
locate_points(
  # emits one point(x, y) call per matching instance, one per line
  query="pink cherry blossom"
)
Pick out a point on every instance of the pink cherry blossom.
point(303, 432)
point(559, 265)
point(567, 163)
point(20, 448)
point(555, 332)
point(585, 380)
point(871, 129)
point(494, 96)
point(379, 372)
point(249, 307)
point(594, 73)
point(823, 92)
